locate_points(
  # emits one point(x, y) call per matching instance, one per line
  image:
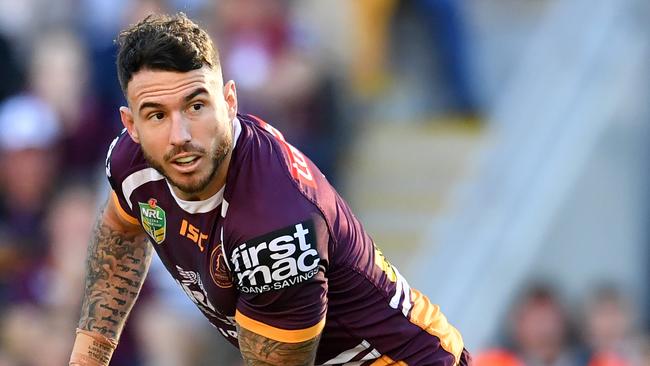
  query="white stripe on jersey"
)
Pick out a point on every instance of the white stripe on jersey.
point(350, 354)
point(110, 151)
point(236, 131)
point(402, 288)
point(223, 247)
point(373, 355)
point(135, 180)
point(224, 208)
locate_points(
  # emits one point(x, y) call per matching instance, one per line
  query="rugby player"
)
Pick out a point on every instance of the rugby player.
point(246, 224)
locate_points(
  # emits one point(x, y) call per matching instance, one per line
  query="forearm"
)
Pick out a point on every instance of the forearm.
point(258, 350)
point(116, 267)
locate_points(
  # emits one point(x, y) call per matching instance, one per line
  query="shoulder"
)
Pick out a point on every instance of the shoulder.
point(124, 157)
point(261, 191)
point(293, 162)
point(276, 167)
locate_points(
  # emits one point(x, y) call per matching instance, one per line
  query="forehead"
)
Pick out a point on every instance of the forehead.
point(150, 84)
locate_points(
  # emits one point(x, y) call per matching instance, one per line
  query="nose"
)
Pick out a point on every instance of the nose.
point(180, 131)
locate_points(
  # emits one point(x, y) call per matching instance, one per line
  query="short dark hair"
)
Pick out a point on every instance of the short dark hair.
point(163, 42)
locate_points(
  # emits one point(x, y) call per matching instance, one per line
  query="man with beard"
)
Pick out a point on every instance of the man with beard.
point(244, 222)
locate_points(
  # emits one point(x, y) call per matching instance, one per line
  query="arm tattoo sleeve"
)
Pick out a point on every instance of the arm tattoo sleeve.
point(259, 350)
point(116, 267)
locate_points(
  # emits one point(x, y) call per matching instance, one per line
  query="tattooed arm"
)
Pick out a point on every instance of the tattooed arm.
point(119, 255)
point(259, 350)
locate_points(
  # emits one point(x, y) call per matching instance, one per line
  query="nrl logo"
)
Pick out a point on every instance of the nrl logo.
point(154, 220)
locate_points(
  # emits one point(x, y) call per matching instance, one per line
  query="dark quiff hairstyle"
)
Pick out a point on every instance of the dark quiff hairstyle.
point(163, 42)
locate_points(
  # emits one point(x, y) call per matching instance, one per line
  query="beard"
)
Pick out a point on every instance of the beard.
point(202, 180)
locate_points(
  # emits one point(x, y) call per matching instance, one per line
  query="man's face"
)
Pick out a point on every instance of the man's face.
point(182, 120)
point(540, 329)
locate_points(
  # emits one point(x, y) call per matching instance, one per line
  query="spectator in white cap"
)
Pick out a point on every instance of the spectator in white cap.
point(29, 131)
point(27, 122)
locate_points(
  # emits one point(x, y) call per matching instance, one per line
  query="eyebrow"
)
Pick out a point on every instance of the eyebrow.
point(150, 105)
point(196, 92)
point(187, 98)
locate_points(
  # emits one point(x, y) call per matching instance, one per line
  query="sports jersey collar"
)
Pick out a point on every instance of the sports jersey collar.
point(236, 131)
point(196, 207)
point(209, 204)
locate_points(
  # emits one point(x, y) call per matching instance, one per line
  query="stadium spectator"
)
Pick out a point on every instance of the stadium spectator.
point(29, 130)
point(445, 24)
point(59, 76)
point(538, 333)
point(415, 55)
point(609, 330)
point(370, 70)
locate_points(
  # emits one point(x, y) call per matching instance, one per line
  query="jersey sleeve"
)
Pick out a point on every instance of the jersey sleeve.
point(281, 278)
point(120, 204)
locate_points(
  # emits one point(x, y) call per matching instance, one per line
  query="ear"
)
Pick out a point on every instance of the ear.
point(230, 96)
point(127, 120)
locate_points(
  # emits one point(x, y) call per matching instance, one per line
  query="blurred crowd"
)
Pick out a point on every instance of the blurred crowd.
point(315, 69)
point(542, 330)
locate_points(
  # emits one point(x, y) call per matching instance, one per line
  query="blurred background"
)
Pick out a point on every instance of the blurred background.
point(497, 150)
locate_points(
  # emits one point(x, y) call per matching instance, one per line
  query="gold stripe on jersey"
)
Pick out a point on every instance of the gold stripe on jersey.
point(428, 316)
point(277, 334)
point(387, 361)
point(120, 210)
point(384, 264)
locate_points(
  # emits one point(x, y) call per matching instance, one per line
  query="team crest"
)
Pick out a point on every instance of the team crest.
point(153, 220)
point(218, 270)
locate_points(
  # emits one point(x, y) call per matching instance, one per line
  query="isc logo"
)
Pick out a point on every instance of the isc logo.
point(194, 234)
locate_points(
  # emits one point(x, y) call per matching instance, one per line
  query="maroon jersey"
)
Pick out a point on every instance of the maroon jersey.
point(278, 251)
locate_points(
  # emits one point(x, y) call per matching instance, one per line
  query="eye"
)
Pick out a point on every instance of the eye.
point(196, 107)
point(157, 116)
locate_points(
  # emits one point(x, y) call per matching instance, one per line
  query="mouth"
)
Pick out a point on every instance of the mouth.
point(185, 163)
